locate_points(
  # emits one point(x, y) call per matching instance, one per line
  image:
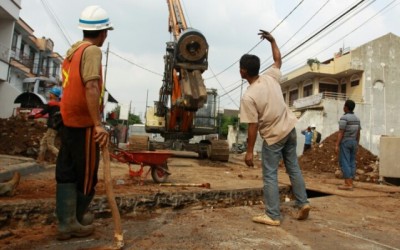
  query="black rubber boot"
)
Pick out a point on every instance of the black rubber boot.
point(68, 226)
point(82, 213)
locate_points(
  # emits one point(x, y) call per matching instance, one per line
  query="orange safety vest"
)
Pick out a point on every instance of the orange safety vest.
point(73, 105)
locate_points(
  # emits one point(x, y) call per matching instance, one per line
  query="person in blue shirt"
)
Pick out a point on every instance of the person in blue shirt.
point(309, 135)
point(347, 143)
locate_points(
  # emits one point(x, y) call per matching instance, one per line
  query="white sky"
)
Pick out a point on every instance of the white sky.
point(230, 27)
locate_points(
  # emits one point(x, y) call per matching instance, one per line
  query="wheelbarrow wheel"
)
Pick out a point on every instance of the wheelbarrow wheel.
point(160, 173)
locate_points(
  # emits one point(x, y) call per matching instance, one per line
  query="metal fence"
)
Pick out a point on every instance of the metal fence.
point(330, 96)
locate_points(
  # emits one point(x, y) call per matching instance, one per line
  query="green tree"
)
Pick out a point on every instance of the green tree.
point(230, 120)
point(132, 118)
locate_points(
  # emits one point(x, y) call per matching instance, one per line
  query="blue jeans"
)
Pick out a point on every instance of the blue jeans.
point(271, 155)
point(347, 158)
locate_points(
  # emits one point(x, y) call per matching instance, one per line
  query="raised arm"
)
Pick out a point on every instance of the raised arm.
point(276, 53)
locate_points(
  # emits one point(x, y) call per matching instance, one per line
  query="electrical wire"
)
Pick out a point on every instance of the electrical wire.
point(57, 21)
point(135, 64)
point(215, 75)
point(222, 86)
point(350, 32)
point(308, 39)
point(230, 66)
point(318, 32)
point(328, 32)
point(309, 20)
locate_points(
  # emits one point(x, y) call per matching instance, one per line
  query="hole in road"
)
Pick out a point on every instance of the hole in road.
point(392, 181)
point(315, 194)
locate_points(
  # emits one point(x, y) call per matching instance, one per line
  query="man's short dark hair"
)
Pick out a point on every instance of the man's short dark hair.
point(91, 33)
point(350, 105)
point(251, 63)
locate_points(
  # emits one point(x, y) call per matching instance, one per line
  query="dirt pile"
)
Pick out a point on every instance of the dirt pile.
point(324, 159)
point(22, 137)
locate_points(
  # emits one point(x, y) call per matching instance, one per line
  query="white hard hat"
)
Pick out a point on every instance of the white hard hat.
point(312, 125)
point(94, 18)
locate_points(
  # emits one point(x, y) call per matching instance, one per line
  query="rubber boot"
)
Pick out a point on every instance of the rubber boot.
point(8, 188)
point(68, 226)
point(82, 213)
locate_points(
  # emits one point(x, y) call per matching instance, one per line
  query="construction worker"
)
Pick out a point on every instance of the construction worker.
point(347, 143)
point(83, 133)
point(52, 108)
point(9, 187)
point(316, 138)
point(263, 108)
point(308, 134)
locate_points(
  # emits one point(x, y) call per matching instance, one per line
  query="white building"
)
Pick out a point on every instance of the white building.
point(22, 56)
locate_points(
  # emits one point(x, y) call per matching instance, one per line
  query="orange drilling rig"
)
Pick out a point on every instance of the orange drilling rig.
point(186, 108)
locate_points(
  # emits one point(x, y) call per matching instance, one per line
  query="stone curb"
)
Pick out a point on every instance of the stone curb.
point(24, 166)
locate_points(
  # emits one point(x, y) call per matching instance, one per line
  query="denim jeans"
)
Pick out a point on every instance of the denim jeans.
point(347, 158)
point(271, 155)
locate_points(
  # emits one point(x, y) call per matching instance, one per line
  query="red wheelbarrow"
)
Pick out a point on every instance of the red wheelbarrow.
point(156, 160)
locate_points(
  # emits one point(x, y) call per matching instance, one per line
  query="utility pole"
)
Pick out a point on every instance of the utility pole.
point(103, 92)
point(106, 66)
point(238, 121)
point(145, 111)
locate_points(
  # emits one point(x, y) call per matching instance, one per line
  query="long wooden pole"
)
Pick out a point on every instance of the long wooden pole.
point(118, 236)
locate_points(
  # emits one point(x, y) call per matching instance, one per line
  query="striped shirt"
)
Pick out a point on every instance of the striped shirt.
point(350, 123)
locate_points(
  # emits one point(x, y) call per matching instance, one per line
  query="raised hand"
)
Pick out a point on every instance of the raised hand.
point(266, 35)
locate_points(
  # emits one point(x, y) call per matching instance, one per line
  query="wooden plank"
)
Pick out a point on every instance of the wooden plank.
point(329, 186)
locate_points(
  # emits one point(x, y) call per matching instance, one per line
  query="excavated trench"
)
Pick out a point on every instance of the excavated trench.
point(15, 214)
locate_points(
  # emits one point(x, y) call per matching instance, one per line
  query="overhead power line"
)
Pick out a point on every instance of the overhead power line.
point(57, 21)
point(321, 30)
point(223, 88)
point(312, 36)
point(135, 64)
point(230, 66)
point(353, 30)
point(341, 23)
point(304, 25)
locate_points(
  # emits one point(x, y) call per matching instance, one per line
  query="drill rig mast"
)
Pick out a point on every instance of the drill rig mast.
point(186, 108)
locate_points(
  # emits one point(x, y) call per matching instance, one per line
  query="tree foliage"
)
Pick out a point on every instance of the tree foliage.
point(230, 120)
point(132, 118)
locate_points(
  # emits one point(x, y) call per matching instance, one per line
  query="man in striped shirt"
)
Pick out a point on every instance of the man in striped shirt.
point(347, 141)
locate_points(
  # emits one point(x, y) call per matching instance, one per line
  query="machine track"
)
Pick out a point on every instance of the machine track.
point(219, 150)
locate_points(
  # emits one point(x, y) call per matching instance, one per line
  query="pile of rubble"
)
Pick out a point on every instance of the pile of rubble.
point(21, 137)
point(324, 159)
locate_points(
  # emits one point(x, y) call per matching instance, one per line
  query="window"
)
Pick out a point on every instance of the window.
point(355, 83)
point(19, 52)
point(293, 95)
point(307, 90)
point(31, 59)
point(354, 80)
point(324, 87)
point(54, 69)
point(343, 86)
point(14, 41)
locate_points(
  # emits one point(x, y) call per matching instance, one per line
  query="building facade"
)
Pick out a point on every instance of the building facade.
point(22, 56)
point(368, 74)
